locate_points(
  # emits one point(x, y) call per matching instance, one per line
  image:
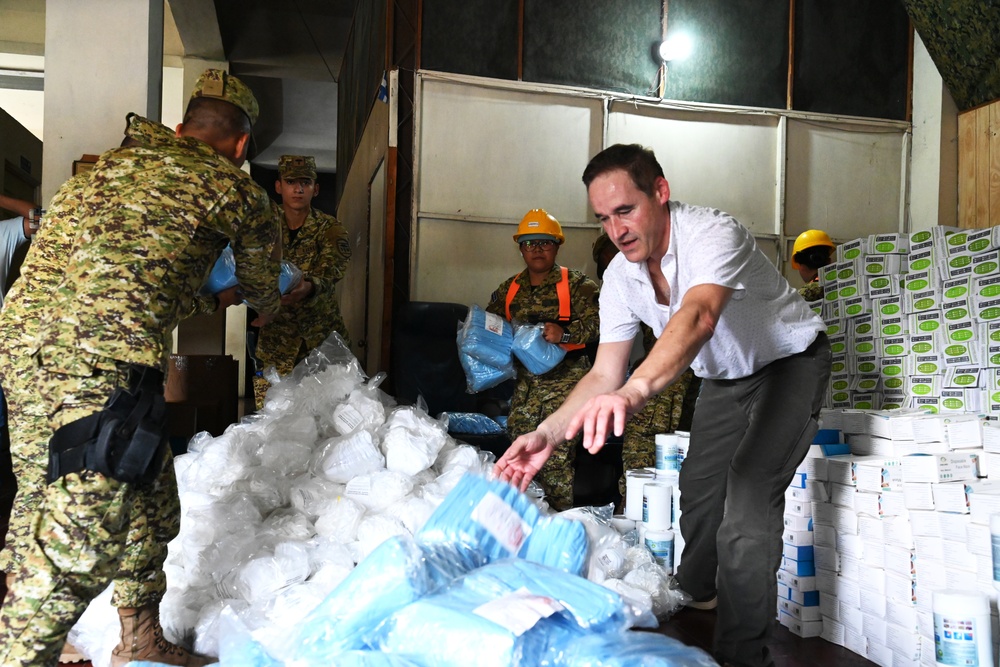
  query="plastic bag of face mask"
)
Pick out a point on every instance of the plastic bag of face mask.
point(486, 337)
point(340, 521)
point(360, 410)
point(480, 376)
point(375, 529)
point(90, 633)
point(474, 423)
point(412, 440)
point(466, 458)
point(607, 549)
point(289, 277)
point(377, 490)
point(627, 649)
point(314, 495)
point(536, 354)
point(344, 458)
point(223, 274)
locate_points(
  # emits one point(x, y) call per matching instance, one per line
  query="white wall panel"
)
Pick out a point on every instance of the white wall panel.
point(487, 153)
point(725, 161)
point(463, 262)
point(843, 178)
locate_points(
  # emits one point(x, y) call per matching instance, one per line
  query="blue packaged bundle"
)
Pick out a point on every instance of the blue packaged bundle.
point(398, 572)
point(223, 275)
point(487, 338)
point(499, 521)
point(536, 354)
point(480, 376)
point(630, 648)
point(472, 422)
point(507, 613)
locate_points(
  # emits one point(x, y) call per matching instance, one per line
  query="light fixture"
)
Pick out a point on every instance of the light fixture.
point(676, 47)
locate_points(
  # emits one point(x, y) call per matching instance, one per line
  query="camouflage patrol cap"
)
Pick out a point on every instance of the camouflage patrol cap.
point(222, 85)
point(145, 131)
point(297, 166)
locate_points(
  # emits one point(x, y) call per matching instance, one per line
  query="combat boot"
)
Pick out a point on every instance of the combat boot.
point(142, 639)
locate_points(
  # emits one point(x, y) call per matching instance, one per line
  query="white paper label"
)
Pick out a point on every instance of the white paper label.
point(494, 323)
point(519, 611)
point(359, 486)
point(501, 521)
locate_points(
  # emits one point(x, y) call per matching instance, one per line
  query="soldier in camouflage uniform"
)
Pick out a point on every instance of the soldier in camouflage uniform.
point(534, 300)
point(812, 251)
point(316, 243)
point(153, 222)
point(667, 412)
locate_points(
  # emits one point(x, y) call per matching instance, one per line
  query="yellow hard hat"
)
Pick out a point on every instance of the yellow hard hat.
point(810, 239)
point(538, 223)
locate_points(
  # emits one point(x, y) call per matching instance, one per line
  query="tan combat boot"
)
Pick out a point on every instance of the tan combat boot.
point(142, 639)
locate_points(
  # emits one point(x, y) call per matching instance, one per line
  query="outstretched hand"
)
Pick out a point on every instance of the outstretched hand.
point(523, 459)
point(603, 415)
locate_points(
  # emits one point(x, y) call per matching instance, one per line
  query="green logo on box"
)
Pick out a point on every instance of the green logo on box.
point(963, 380)
point(979, 244)
point(990, 290)
point(985, 268)
point(874, 268)
point(956, 292)
point(921, 348)
point(921, 389)
point(894, 383)
point(864, 328)
point(885, 246)
point(890, 309)
point(863, 405)
point(841, 396)
point(920, 265)
point(854, 309)
point(866, 367)
point(955, 350)
point(868, 385)
point(837, 366)
point(961, 334)
point(995, 396)
point(894, 350)
point(841, 385)
point(852, 253)
point(891, 329)
point(879, 283)
point(957, 239)
point(953, 403)
point(995, 360)
point(917, 285)
point(929, 325)
point(845, 274)
point(959, 261)
point(832, 329)
point(837, 347)
point(927, 368)
point(923, 304)
point(990, 313)
point(956, 313)
point(846, 292)
point(920, 237)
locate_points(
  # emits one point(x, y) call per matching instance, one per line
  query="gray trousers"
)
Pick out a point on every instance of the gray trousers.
point(747, 438)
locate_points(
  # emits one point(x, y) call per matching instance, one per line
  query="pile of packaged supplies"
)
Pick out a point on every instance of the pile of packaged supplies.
point(335, 527)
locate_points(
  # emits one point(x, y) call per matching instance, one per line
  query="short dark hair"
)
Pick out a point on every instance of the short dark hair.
point(216, 118)
point(815, 257)
point(638, 161)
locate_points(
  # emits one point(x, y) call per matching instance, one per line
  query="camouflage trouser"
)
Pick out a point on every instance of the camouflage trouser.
point(88, 530)
point(662, 414)
point(535, 398)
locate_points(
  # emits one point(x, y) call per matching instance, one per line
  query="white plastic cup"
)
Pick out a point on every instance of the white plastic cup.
point(657, 499)
point(634, 481)
point(962, 631)
point(666, 451)
point(661, 544)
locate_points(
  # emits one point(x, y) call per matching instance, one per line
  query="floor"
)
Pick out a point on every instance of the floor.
point(695, 628)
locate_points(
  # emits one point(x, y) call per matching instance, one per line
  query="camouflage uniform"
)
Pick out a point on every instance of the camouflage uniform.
point(811, 291)
point(321, 250)
point(152, 223)
point(42, 270)
point(670, 410)
point(537, 396)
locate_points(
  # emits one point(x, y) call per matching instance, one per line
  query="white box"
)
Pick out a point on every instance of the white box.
point(873, 602)
point(905, 616)
point(833, 631)
point(874, 628)
point(855, 642)
point(898, 531)
point(918, 496)
point(955, 496)
point(900, 589)
point(903, 641)
point(937, 468)
point(799, 612)
point(824, 536)
point(852, 617)
point(829, 606)
point(798, 537)
point(876, 473)
point(925, 523)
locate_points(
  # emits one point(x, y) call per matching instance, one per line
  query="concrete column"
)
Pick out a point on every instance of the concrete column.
point(934, 152)
point(103, 58)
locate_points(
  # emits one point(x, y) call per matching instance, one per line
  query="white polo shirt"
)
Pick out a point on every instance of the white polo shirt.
point(764, 320)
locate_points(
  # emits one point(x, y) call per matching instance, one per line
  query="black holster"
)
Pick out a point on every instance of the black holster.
point(125, 441)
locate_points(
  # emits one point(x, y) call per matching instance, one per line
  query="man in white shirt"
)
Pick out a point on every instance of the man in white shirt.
point(718, 305)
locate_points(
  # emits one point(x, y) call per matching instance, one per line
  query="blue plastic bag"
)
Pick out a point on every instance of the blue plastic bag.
point(480, 376)
point(537, 354)
point(475, 423)
point(487, 338)
point(223, 275)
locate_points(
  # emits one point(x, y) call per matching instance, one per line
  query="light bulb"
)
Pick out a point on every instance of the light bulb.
point(676, 47)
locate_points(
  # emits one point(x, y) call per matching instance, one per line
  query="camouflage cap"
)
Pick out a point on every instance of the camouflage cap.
point(297, 166)
point(144, 131)
point(222, 85)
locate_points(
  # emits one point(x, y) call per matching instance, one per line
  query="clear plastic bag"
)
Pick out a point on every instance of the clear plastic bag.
point(536, 354)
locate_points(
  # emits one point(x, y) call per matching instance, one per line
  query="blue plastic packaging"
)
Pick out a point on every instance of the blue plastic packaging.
point(472, 422)
point(536, 354)
point(487, 338)
point(223, 275)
